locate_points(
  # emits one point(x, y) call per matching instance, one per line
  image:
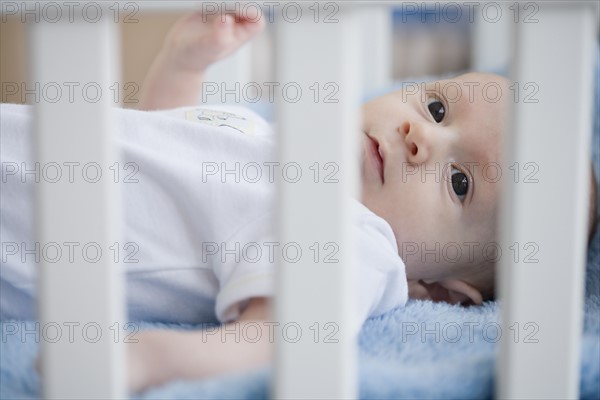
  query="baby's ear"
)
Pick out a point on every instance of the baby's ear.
point(418, 290)
point(451, 291)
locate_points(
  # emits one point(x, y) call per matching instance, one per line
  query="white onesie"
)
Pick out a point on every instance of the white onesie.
point(197, 197)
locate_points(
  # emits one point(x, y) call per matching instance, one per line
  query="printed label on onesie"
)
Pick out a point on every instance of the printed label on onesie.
point(221, 118)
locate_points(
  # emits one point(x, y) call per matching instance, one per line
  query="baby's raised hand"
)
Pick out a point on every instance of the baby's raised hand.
point(198, 40)
point(195, 41)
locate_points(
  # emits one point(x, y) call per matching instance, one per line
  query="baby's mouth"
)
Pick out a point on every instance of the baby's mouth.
point(376, 155)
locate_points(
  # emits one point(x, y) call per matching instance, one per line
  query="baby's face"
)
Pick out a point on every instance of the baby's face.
point(430, 166)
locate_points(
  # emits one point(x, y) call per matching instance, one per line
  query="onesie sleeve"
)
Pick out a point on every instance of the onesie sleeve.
point(247, 268)
point(381, 280)
point(381, 271)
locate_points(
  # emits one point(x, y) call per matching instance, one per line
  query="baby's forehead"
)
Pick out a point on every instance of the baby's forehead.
point(480, 78)
point(464, 95)
point(478, 90)
point(477, 107)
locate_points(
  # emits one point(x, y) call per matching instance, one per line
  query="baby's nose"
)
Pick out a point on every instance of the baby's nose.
point(415, 142)
point(404, 130)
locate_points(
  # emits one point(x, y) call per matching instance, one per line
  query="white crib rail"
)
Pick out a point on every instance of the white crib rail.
point(80, 295)
point(319, 133)
point(545, 213)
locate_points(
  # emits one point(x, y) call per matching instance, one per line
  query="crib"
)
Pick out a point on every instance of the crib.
point(85, 49)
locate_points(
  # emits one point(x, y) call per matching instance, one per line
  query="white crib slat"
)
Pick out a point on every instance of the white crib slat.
point(485, 57)
point(546, 220)
point(376, 46)
point(78, 296)
point(317, 214)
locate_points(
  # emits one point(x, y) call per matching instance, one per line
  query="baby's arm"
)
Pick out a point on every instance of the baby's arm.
point(195, 41)
point(164, 355)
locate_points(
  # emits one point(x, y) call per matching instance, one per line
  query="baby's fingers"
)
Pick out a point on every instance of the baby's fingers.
point(244, 26)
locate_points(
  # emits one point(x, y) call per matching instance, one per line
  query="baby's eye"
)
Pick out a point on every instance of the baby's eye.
point(437, 110)
point(460, 183)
